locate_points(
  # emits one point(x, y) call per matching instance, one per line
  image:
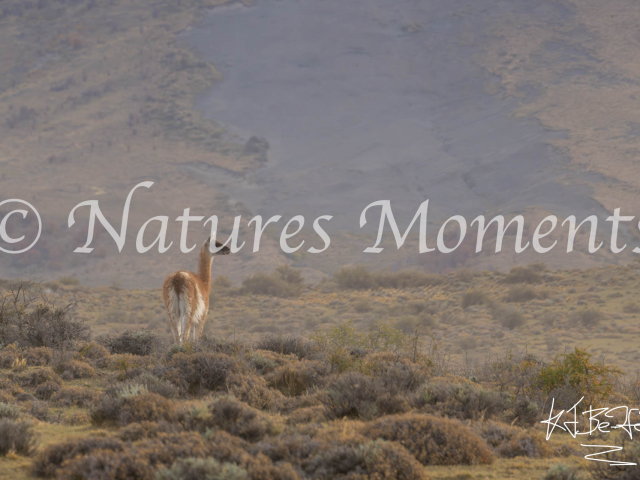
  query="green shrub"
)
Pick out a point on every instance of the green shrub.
point(432, 440)
point(593, 380)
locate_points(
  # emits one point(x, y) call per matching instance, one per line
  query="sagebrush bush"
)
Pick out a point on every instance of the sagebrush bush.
point(473, 297)
point(200, 371)
point(238, 419)
point(358, 277)
point(38, 356)
point(588, 317)
point(132, 342)
point(39, 376)
point(123, 410)
point(17, 437)
point(565, 472)
point(49, 461)
point(286, 345)
point(355, 395)
point(296, 378)
point(202, 469)
point(10, 411)
point(284, 282)
point(46, 390)
point(74, 396)
point(460, 398)
point(509, 442)
point(432, 440)
point(523, 275)
point(72, 369)
point(520, 294)
point(509, 317)
point(378, 460)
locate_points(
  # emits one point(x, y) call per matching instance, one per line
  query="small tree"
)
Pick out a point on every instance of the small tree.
point(593, 380)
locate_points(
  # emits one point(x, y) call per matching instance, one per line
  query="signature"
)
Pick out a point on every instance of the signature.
point(598, 421)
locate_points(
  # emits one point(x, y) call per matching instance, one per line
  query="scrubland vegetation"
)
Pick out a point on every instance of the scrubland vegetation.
point(344, 399)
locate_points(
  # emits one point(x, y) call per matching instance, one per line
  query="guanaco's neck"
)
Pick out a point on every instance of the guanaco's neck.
point(204, 267)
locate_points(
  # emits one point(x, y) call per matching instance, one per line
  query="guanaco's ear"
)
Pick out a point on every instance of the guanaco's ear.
point(208, 242)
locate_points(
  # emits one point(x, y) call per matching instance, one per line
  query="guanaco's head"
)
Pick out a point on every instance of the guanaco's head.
point(223, 251)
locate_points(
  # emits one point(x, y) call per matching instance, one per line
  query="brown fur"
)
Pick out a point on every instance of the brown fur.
point(191, 292)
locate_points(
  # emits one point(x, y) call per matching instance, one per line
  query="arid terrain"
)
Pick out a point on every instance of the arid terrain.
point(527, 108)
point(365, 375)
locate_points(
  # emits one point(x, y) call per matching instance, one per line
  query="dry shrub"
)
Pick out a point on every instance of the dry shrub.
point(396, 374)
point(274, 284)
point(10, 411)
point(39, 376)
point(132, 342)
point(202, 468)
point(254, 391)
point(74, 396)
point(127, 363)
point(111, 459)
point(286, 345)
point(109, 465)
point(72, 369)
point(520, 294)
point(265, 361)
point(17, 437)
point(314, 414)
point(296, 378)
point(379, 460)
point(49, 461)
point(139, 431)
point(154, 384)
point(355, 395)
point(432, 440)
point(238, 419)
point(200, 371)
point(93, 352)
point(46, 390)
point(8, 355)
point(38, 356)
point(508, 442)
point(149, 407)
point(75, 418)
point(473, 297)
point(523, 275)
point(458, 397)
point(509, 317)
